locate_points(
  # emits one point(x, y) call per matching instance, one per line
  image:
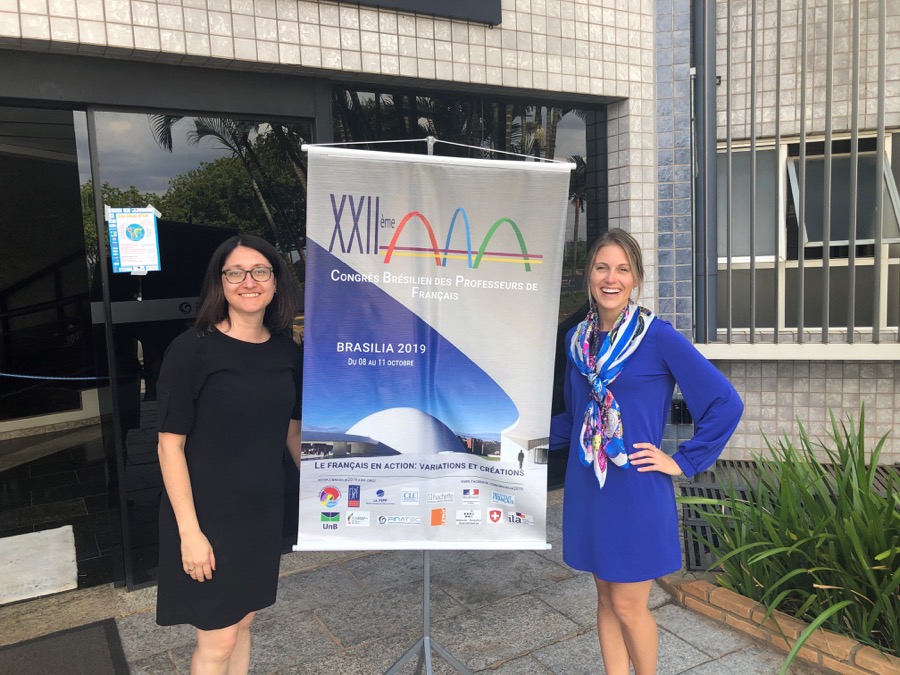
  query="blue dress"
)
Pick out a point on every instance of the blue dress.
point(628, 531)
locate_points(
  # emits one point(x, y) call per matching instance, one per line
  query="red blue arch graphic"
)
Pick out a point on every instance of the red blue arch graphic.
point(441, 256)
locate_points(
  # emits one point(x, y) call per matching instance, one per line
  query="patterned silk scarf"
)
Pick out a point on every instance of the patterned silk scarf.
point(601, 433)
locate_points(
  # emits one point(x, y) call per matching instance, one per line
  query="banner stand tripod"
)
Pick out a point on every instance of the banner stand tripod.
point(425, 644)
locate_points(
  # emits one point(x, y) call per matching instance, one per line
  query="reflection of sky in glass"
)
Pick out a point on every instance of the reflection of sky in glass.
point(129, 154)
point(570, 139)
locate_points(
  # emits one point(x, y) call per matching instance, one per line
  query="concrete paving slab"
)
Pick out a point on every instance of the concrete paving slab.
point(578, 655)
point(287, 641)
point(505, 575)
point(141, 637)
point(573, 599)
point(704, 634)
point(676, 655)
point(658, 597)
point(372, 657)
point(396, 568)
point(156, 664)
point(383, 654)
point(384, 614)
point(555, 554)
point(554, 516)
point(181, 657)
point(298, 561)
point(753, 659)
point(311, 590)
point(503, 630)
point(526, 665)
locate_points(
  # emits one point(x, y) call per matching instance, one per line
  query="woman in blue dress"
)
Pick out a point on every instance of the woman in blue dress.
point(619, 515)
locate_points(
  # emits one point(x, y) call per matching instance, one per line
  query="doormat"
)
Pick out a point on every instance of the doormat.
point(94, 649)
point(37, 563)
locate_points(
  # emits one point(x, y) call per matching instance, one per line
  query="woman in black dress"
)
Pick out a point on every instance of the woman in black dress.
point(228, 402)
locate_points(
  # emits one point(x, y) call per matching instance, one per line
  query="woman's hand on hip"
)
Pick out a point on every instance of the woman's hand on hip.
point(650, 458)
point(197, 557)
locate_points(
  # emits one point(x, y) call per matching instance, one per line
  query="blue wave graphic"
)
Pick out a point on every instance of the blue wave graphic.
point(444, 382)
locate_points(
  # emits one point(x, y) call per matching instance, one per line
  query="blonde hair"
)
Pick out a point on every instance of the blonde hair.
point(620, 238)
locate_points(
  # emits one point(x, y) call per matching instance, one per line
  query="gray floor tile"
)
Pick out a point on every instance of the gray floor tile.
point(751, 660)
point(658, 597)
point(373, 657)
point(554, 516)
point(141, 637)
point(525, 665)
point(579, 655)
point(501, 631)
point(554, 534)
point(311, 590)
point(507, 574)
point(676, 655)
point(555, 554)
point(384, 614)
point(299, 561)
point(705, 634)
point(157, 664)
point(289, 640)
point(574, 598)
point(396, 568)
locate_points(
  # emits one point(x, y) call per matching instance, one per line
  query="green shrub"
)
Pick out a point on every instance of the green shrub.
point(815, 540)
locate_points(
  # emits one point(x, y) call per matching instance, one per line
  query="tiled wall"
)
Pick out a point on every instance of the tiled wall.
point(777, 393)
point(790, 61)
point(674, 172)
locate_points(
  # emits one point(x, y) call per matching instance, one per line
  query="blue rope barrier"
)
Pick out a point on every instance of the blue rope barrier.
point(48, 377)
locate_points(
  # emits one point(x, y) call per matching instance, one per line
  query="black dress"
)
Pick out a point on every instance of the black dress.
point(233, 400)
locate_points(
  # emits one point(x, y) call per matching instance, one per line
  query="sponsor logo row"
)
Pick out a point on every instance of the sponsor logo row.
point(438, 517)
point(331, 497)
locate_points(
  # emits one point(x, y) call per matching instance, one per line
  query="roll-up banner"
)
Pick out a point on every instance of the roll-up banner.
point(432, 295)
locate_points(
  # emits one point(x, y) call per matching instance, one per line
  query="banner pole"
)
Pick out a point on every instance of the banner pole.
point(425, 644)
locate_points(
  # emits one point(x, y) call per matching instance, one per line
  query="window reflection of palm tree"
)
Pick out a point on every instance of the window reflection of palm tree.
point(578, 197)
point(235, 136)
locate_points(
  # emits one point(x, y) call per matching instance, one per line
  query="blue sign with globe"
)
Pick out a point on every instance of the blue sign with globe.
point(133, 240)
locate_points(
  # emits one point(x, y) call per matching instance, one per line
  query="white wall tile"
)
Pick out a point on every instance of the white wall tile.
point(63, 29)
point(64, 8)
point(197, 44)
point(245, 49)
point(221, 47)
point(169, 16)
point(118, 35)
point(118, 11)
point(38, 7)
point(172, 41)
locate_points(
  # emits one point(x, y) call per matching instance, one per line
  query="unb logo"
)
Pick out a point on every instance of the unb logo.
point(330, 519)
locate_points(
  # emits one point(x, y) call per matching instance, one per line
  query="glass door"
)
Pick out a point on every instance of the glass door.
point(208, 178)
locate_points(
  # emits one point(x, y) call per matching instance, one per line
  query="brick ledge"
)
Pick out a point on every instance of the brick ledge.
point(833, 652)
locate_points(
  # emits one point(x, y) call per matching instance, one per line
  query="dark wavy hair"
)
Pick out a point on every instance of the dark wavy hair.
point(214, 307)
point(620, 238)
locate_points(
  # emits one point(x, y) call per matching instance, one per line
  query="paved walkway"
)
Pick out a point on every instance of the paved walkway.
point(507, 613)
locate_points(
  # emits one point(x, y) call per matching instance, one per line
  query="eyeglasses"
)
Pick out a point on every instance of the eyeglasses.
point(237, 276)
